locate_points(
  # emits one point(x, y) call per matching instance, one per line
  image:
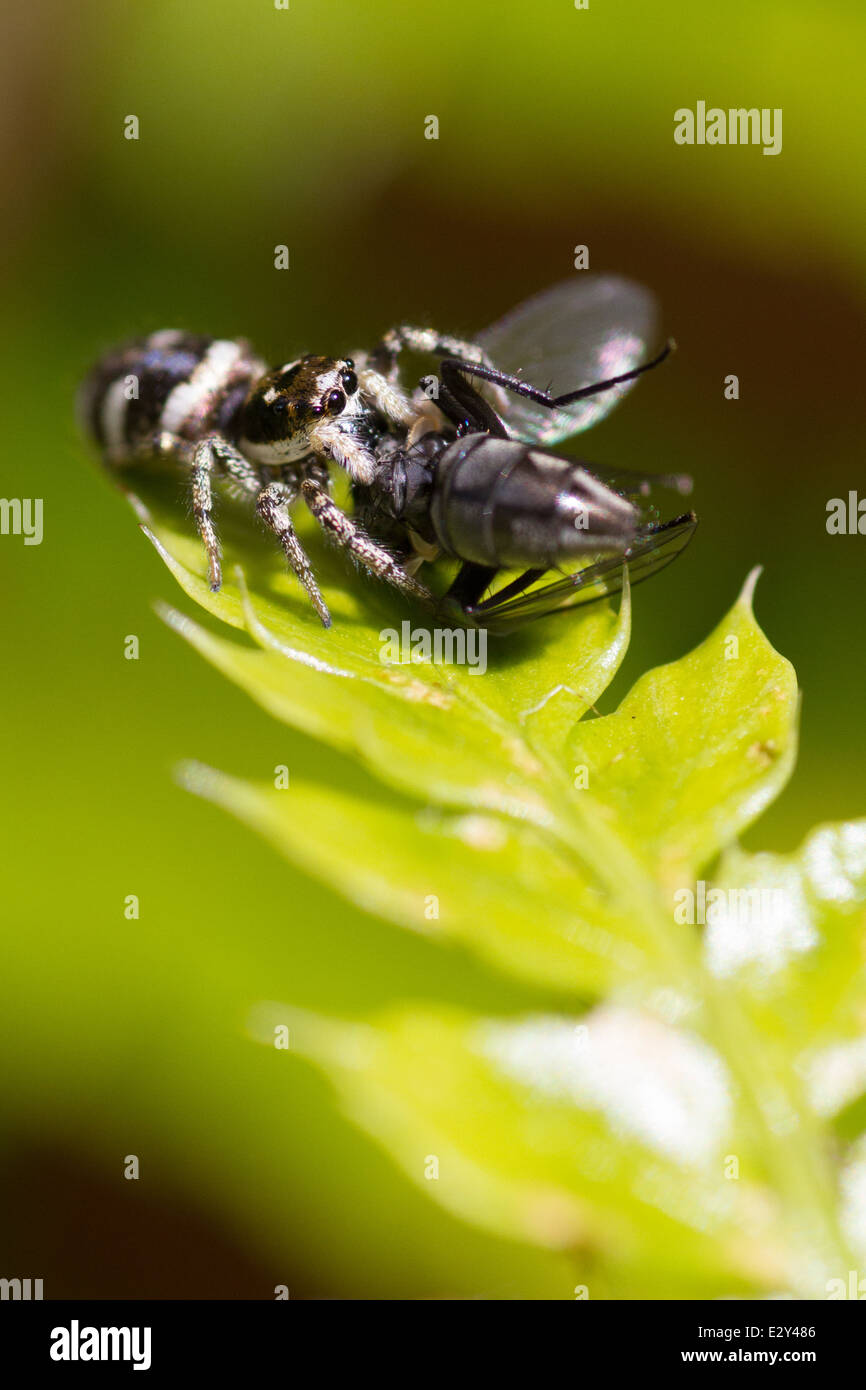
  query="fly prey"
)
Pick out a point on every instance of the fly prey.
point(451, 467)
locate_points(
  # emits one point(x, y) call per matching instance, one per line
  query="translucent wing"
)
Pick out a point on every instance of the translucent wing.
point(574, 334)
point(655, 547)
point(638, 485)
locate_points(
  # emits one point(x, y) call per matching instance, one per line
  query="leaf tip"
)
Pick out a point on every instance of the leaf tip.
point(141, 509)
point(747, 593)
point(151, 536)
point(254, 626)
point(196, 777)
point(172, 617)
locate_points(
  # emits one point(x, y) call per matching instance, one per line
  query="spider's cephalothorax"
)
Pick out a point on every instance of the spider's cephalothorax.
point(434, 470)
point(312, 406)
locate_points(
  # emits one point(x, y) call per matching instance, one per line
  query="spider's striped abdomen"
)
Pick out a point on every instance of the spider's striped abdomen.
point(174, 383)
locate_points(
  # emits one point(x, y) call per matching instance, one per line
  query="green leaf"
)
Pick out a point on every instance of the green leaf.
point(664, 1127)
point(791, 933)
point(799, 948)
point(427, 869)
point(604, 1137)
point(698, 748)
point(336, 685)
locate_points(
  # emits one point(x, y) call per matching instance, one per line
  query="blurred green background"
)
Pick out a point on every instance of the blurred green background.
point(260, 126)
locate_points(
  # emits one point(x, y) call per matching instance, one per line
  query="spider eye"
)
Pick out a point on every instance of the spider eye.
point(348, 362)
point(336, 401)
point(279, 405)
point(350, 382)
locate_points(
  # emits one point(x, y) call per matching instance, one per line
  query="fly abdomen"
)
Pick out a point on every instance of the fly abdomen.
point(175, 383)
point(499, 502)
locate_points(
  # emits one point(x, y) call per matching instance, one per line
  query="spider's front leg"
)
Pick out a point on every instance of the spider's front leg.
point(202, 461)
point(425, 341)
point(272, 505)
point(211, 456)
point(351, 537)
point(428, 342)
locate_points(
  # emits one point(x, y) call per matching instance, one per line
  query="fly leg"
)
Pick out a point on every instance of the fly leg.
point(463, 405)
point(468, 585)
point(485, 372)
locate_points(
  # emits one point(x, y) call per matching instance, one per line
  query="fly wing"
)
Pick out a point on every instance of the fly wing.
point(656, 547)
point(574, 334)
point(637, 485)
